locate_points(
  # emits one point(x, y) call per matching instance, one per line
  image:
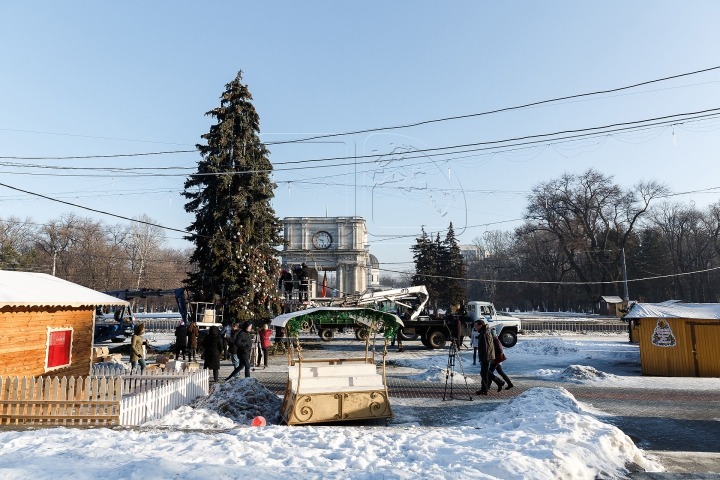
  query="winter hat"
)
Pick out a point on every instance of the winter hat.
point(182, 324)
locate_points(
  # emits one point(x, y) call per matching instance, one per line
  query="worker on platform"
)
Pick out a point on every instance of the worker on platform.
point(304, 276)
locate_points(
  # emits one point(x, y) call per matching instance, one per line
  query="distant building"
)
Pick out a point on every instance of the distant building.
point(471, 253)
point(373, 272)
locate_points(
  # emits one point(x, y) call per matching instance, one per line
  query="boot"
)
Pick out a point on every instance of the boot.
point(500, 384)
point(481, 392)
point(509, 385)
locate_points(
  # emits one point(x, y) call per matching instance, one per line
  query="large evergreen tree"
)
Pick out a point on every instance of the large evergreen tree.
point(235, 231)
point(452, 266)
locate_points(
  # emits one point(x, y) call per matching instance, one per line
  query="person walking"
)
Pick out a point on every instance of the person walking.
point(181, 335)
point(212, 347)
point(474, 343)
point(226, 333)
point(486, 353)
point(137, 352)
point(496, 364)
point(265, 334)
point(232, 348)
point(244, 348)
point(193, 333)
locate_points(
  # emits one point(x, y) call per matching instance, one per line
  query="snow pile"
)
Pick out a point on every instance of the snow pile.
point(583, 373)
point(544, 346)
point(192, 418)
point(242, 399)
point(541, 434)
point(438, 374)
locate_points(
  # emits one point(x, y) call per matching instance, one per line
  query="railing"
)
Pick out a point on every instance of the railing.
point(120, 399)
point(161, 325)
point(155, 403)
point(578, 326)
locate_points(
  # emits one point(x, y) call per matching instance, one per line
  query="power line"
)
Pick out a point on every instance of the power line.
point(554, 282)
point(588, 133)
point(100, 156)
point(490, 112)
point(488, 145)
point(97, 211)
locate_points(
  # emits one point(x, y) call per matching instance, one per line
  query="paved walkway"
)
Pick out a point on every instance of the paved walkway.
point(664, 422)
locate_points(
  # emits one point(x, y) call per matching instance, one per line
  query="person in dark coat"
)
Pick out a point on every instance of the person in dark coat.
point(304, 274)
point(232, 348)
point(212, 345)
point(486, 353)
point(496, 364)
point(181, 334)
point(193, 332)
point(243, 343)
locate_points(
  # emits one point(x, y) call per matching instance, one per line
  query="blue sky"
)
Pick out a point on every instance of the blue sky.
point(129, 77)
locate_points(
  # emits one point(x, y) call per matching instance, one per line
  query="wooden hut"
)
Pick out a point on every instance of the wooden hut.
point(610, 306)
point(46, 325)
point(678, 339)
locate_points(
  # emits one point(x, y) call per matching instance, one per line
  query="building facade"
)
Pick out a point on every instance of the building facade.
point(329, 244)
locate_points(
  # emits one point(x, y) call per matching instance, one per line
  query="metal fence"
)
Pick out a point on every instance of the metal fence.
point(160, 325)
point(577, 326)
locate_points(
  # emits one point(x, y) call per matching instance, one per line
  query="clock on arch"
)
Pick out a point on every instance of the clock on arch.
point(322, 240)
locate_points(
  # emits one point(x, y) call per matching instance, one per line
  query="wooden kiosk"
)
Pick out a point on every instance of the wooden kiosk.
point(678, 339)
point(336, 389)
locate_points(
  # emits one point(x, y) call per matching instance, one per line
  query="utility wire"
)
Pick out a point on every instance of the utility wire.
point(100, 156)
point(583, 132)
point(589, 133)
point(98, 211)
point(490, 112)
point(555, 282)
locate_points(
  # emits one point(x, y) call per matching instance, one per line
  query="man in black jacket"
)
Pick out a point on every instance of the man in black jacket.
point(486, 354)
point(243, 343)
point(181, 335)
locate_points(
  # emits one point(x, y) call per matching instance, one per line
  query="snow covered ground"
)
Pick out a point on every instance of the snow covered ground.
point(598, 360)
point(542, 434)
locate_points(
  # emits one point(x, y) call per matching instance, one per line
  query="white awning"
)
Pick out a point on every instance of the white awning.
point(699, 311)
point(282, 320)
point(29, 289)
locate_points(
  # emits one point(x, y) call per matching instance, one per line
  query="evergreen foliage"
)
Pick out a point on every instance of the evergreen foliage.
point(435, 260)
point(235, 231)
point(452, 266)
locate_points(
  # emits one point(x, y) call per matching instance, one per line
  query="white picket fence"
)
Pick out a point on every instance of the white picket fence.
point(153, 403)
point(110, 399)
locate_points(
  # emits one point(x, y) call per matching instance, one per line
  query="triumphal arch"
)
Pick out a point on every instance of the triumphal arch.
point(332, 244)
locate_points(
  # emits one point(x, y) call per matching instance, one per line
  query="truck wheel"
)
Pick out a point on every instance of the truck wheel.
point(508, 338)
point(326, 334)
point(436, 340)
point(361, 334)
point(406, 338)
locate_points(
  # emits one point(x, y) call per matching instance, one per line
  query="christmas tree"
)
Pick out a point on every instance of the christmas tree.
point(235, 231)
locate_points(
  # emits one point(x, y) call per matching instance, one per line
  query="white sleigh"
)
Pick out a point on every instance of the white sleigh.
point(336, 389)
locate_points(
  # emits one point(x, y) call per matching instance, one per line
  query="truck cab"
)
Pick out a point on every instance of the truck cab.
point(506, 326)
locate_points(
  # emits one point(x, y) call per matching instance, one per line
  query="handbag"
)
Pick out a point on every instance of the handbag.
point(502, 358)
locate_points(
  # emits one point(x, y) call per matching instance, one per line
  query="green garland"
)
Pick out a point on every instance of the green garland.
point(373, 317)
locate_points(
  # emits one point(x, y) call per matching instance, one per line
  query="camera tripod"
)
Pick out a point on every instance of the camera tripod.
point(453, 354)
